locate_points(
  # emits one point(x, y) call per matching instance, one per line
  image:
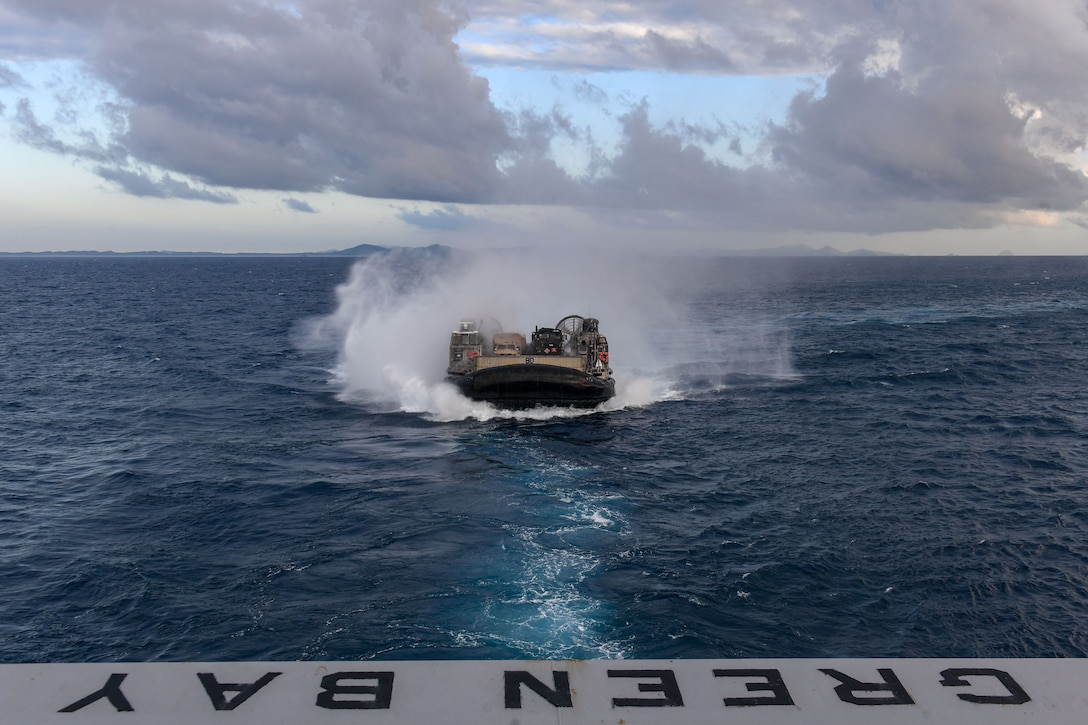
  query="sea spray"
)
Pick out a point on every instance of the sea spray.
point(389, 328)
point(396, 311)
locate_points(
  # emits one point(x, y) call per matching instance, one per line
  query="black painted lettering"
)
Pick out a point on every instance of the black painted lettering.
point(381, 691)
point(772, 682)
point(559, 696)
point(111, 691)
point(897, 694)
point(953, 677)
point(216, 690)
point(665, 684)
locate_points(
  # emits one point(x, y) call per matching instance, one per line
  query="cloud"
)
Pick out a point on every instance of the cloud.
point(370, 98)
point(868, 155)
point(585, 91)
point(446, 218)
point(1032, 218)
point(140, 184)
point(41, 36)
point(29, 130)
point(933, 115)
point(662, 168)
point(8, 77)
point(948, 138)
point(651, 35)
point(299, 205)
point(684, 54)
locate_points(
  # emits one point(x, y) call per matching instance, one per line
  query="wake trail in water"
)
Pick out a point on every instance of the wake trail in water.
point(558, 531)
point(396, 311)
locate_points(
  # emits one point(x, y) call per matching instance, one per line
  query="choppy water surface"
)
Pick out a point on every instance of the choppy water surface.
point(254, 458)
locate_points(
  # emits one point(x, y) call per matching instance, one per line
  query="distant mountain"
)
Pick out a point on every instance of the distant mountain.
point(360, 250)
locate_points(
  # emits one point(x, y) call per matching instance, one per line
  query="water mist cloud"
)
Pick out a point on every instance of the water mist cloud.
point(396, 311)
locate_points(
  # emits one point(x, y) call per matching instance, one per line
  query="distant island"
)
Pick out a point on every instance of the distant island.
point(366, 250)
point(361, 250)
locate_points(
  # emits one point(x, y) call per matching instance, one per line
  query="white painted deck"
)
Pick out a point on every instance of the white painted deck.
point(627, 692)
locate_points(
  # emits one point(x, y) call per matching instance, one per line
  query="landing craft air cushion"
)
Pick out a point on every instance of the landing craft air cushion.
point(563, 366)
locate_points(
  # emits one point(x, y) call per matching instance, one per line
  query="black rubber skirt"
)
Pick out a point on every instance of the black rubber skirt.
point(527, 386)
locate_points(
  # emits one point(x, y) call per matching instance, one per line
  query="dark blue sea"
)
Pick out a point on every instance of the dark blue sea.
point(246, 458)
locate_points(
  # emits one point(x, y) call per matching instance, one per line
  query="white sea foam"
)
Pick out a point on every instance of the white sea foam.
point(543, 610)
point(396, 311)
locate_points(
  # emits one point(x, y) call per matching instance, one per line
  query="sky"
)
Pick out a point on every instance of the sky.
point(916, 126)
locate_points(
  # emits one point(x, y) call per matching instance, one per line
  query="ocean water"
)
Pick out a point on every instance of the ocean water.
point(256, 459)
